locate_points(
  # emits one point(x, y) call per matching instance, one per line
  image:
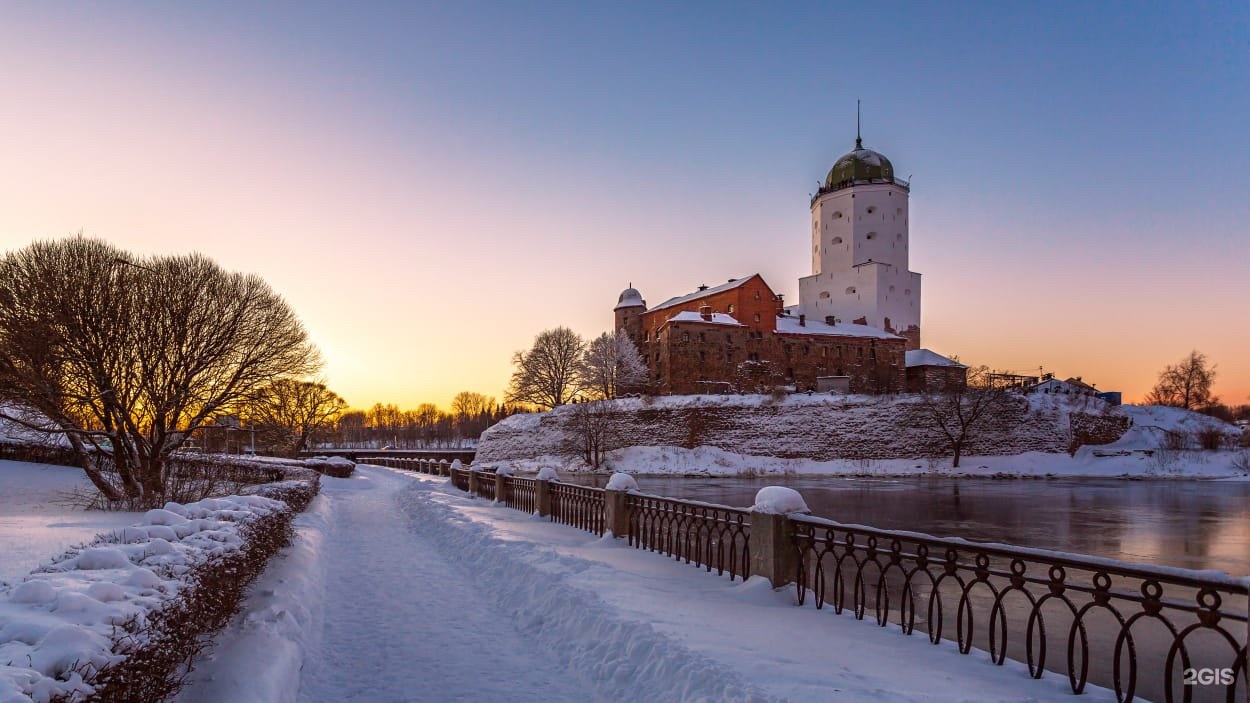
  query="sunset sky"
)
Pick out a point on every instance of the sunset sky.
point(431, 185)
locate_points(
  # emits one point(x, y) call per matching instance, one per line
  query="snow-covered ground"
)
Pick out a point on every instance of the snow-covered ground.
point(37, 518)
point(1140, 453)
point(402, 588)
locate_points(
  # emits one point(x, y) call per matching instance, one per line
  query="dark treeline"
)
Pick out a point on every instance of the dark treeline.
point(427, 426)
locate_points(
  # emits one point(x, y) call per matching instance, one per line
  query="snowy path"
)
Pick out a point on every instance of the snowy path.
point(400, 623)
point(401, 588)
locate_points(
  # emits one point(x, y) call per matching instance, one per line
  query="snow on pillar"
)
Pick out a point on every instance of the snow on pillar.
point(616, 503)
point(773, 555)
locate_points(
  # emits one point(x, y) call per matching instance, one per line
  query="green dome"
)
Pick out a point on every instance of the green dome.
point(859, 166)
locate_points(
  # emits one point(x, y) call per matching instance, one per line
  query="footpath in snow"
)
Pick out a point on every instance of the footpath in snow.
point(401, 588)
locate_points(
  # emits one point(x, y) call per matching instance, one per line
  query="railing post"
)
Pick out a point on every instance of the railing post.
point(474, 482)
point(542, 496)
point(500, 486)
point(616, 513)
point(773, 554)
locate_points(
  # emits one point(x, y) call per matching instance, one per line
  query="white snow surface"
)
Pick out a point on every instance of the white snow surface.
point(928, 357)
point(65, 614)
point(1140, 453)
point(790, 325)
point(779, 500)
point(718, 318)
point(467, 600)
point(622, 482)
point(38, 519)
point(547, 473)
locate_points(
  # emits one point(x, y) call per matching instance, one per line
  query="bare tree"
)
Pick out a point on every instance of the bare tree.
point(472, 413)
point(549, 374)
point(612, 365)
point(290, 411)
point(593, 431)
point(959, 413)
point(127, 357)
point(1185, 385)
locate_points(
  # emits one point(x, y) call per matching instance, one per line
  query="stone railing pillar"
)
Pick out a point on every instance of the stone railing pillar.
point(542, 496)
point(773, 553)
point(474, 482)
point(616, 513)
point(501, 485)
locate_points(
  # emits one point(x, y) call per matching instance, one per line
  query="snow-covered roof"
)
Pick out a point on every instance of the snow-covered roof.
point(790, 325)
point(926, 357)
point(718, 318)
point(630, 298)
point(703, 293)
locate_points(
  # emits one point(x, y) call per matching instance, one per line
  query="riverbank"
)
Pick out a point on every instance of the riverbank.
point(861, 436)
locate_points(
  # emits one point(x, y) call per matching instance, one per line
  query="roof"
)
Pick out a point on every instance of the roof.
point(734, 283)
point(718, 318)
point(630, 298)
point(1079, 383)
point(790, 325)
point(927, 357)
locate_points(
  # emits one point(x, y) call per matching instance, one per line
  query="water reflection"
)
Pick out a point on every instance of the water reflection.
point(1191, 524)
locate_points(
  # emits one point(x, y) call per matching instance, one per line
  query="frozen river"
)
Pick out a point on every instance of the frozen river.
point(1191, 524)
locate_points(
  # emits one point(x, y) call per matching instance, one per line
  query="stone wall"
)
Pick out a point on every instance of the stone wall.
point(822, 428)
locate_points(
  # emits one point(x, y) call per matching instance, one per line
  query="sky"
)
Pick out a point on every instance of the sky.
point(431, 185)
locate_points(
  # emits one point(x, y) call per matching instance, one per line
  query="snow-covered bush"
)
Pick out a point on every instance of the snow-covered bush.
point(335, 466)
point(120, 618)
point(504, 469)
point(547, 473)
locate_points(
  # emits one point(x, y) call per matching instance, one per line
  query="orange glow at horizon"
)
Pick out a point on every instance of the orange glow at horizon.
point(423, 240)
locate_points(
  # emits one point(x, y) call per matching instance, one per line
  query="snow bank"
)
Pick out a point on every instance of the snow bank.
point(622, 482)
point(779, 500)
point(63, 618)
point(336, 466)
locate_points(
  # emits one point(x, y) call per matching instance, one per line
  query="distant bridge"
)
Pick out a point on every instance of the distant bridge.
point(464, 455)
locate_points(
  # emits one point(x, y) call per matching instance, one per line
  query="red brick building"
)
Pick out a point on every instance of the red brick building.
point(739, 337)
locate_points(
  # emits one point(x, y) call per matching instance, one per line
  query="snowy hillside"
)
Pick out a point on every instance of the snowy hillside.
point(822, 434)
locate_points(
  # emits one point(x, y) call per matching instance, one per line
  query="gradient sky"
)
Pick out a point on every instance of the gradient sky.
point(431, 185)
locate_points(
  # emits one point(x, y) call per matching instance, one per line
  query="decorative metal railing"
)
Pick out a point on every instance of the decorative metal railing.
point(520, 493)
point(486, 484)
point(712, 536)
point(460, 479)
point(1145, 632)
point(578, 506)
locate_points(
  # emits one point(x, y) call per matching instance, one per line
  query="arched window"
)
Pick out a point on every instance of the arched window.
point(824, 294)
point(837, 240)
point(685, 336)
point(871, 209)
point(850, 290)
point(757, 317)
point(731, 308)
point(891, 289)
point(837, 215)
point(907, 292)
point(871, 235)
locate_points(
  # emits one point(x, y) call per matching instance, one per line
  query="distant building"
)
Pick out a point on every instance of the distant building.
point(927, 370)
point(858, 312)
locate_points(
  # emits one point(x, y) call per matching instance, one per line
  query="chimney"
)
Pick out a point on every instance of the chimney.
point(705, 312)
point(802, 320)
point(702, 286)
point(781, 304)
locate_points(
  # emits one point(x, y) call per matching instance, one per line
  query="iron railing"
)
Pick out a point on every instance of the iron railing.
point(1141, 631)
point(579, 506)
point(520, 493)
point(712, 536)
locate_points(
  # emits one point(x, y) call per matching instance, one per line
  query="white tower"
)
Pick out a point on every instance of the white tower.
point(859, 248)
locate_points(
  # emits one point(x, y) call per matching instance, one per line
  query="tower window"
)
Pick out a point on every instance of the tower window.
point(871, 209)
point(891, 289)
point(757, 317)
point(907, 292)
point(850, 290)
point(837, 215)
point(685, 336)
point(837, 240)
point(872, 235)
point(824, 294)
point(731, 308)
